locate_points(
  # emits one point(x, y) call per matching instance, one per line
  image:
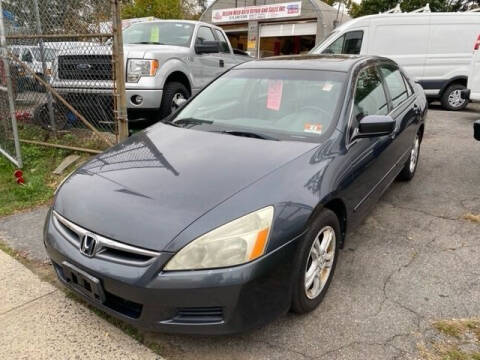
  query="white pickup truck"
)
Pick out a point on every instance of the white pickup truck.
point(165, 61)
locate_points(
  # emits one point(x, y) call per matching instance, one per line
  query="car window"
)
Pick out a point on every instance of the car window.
point(204, 34)
point(395, 84)
point(409, 86)
point(370, 98)
point(349, 43)
point(286, 103)
point(223, 42)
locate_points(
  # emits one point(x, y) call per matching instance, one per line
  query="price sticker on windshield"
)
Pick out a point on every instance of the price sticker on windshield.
point(312, 128)
point(274, 95)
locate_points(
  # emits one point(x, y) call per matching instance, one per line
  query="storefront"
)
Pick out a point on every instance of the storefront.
point(274, 27)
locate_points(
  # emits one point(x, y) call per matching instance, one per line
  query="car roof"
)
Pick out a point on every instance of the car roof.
point(343, 63)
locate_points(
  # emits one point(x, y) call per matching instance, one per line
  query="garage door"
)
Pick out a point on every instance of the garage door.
point(290, 29)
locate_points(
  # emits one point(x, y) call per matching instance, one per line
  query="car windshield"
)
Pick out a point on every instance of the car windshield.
point(276, 104)
point(48, 53)
point(159, 33)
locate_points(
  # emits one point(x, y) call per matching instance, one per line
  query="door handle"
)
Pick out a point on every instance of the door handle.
point(221, 63)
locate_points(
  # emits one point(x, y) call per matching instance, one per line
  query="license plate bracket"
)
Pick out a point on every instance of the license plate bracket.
point(83, 282)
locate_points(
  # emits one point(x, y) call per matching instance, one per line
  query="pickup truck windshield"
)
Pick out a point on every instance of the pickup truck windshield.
point(159, 33)
point(286, 104)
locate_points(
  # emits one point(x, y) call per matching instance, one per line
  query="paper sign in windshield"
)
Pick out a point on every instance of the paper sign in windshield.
point(274, 96)
point(313, 128)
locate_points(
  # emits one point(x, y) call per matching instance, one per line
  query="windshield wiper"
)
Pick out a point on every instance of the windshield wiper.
point(149, 42)
point(249, 134)
point(190, 121)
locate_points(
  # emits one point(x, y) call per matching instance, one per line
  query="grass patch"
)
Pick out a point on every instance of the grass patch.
point(40, 183)
point(459, 334)
point(472, 217)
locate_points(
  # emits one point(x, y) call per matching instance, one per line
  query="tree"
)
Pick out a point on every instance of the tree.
point(162, 9)
point(369, 7)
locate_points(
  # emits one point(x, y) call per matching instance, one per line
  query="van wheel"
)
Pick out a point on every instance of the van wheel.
point(172, 92)
point(315, 262)
point(452, 98)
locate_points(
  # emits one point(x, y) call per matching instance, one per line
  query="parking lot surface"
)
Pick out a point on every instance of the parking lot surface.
point(414, 260)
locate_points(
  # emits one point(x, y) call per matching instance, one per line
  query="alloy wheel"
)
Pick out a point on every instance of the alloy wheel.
point(320, 262)
point(414, 154)
point(455, 99)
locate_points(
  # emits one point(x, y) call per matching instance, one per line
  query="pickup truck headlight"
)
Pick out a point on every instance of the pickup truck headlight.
point(237, 242)
point(136, 68)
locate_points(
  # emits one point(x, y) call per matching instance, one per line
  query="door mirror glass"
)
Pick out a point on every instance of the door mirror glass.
point(375, 125)
point(476, 130)
point(207, 47)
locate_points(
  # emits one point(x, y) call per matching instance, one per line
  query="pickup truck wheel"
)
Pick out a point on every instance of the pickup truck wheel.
point(172, 92)
point(452, 98)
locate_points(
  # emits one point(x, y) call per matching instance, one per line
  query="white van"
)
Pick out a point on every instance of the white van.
point(434, 48)
point(473, 86)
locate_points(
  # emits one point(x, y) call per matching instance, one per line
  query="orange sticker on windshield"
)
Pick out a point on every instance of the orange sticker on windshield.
point(313, 128)
point(274, 96)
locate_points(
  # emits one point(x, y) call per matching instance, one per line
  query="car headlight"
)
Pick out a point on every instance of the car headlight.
point(136, 68)
point(237, 242)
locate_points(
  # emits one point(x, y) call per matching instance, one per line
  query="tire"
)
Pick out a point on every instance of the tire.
point(408, 171)
point(307, 299)
point(451, 98)
point(172, 90)
point(41, 117)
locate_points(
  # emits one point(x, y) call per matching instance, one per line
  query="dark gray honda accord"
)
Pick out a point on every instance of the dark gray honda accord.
point(233, 210)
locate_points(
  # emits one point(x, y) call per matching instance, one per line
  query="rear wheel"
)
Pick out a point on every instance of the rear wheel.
point(452, 98)
point(172, 93)
point(408, 171)
point(315, 262)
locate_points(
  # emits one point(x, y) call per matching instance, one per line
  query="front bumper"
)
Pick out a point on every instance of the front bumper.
point(218, 301)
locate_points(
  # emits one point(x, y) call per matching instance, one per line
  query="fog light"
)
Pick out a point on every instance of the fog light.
point(137, 99)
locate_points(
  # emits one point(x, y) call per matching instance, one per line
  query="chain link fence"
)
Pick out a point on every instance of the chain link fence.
point(67, 73)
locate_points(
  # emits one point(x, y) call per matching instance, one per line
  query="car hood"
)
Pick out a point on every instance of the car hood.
point(140, 51)
point(149, 188)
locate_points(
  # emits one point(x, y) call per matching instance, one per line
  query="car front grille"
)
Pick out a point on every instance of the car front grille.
point(105, 249)
point(85, 67)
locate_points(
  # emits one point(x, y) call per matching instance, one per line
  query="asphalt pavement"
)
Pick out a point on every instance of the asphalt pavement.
point(414, 260)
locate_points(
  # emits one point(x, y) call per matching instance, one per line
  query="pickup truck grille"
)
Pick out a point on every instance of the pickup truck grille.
point(85, 67)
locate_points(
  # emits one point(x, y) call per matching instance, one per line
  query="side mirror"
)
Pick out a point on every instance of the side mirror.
point(476, 130)
point(375, 125)
point(207, 47)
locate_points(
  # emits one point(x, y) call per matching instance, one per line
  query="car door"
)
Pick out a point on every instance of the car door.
point(365, 158)
point(226, 56)
point(405, 112)
point(208, 64)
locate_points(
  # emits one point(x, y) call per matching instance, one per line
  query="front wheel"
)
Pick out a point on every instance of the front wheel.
point(452, 98)
point(315, 262)
point(408, 171)
point(173, 92)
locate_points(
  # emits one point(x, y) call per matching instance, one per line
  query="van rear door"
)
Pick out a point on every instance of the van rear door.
point(474, 75)
point(450, 47)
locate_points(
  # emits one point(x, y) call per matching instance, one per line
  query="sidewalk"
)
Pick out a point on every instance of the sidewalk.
point(37, 321)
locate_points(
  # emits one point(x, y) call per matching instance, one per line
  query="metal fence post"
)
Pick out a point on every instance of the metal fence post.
point(119, 81)
point(44, 69)
point(11, 99)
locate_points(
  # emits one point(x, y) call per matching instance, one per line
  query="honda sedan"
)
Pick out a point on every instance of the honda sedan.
point(233, 211)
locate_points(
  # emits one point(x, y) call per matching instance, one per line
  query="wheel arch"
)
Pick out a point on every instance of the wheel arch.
point(455, 80)
point(337, 205)
point(181, 77)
